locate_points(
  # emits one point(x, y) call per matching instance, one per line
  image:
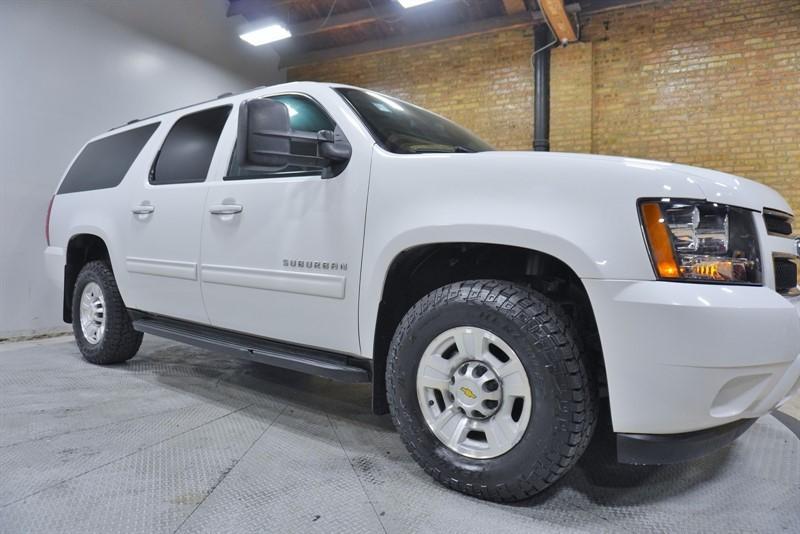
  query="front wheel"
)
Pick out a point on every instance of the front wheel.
point(100, 322)
point(489, 390)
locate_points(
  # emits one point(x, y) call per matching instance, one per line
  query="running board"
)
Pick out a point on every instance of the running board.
point(297, 358)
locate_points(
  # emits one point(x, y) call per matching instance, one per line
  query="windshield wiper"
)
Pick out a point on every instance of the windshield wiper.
point(442, 149)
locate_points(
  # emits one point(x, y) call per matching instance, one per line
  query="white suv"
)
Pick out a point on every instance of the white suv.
point(493, 299)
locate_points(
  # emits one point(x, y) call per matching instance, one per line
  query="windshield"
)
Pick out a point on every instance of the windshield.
point(403, 128)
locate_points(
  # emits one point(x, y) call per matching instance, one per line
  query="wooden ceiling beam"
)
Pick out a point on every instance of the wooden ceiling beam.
point(292, 55)
point(456, 31)
point(347, 19)
point(556, 14)
point(514, 6)
point(252, 10)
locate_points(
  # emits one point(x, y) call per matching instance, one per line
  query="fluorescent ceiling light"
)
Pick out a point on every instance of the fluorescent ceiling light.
point(413, 3)
point(268, 34)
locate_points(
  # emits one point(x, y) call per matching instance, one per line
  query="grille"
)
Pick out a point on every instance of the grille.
point(786, 276)
point(778, 222)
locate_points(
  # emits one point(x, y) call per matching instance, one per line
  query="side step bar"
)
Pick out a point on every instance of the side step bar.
point(297, 358)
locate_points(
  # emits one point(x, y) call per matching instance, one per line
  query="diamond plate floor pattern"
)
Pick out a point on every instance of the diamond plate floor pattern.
point(185, 440)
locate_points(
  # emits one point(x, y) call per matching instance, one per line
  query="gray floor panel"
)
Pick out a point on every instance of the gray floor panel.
point(180, 439)
point(34, 466)
point(152, 490)
point(297, 478)
point(24, 425)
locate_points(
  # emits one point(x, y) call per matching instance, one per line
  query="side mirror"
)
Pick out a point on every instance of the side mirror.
point(270, 141)
point(333, 146)
point(266, 133)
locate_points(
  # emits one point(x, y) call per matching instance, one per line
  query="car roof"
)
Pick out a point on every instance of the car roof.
point(222, 99)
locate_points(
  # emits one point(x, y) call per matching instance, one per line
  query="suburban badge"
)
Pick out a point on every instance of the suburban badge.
point(315, 265)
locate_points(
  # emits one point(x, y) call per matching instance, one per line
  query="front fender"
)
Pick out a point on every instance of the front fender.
point(579, 209)
point(374, 277)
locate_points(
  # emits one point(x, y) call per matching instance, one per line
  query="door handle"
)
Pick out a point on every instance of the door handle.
point(143, 209)
point(225, 209)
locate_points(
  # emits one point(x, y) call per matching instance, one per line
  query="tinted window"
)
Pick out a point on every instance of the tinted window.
point(403, 128)
point(104, 163)
point(305, 115)
point(189, 147)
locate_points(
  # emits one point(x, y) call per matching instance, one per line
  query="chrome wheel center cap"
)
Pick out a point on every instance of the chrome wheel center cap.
point(476, 390)
point(93, 313)
point(473, 392)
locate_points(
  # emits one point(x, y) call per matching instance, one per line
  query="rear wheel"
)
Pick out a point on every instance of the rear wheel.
point(100, 322)
point(489, 390)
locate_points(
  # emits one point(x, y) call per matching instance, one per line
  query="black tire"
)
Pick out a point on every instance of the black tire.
point(120, 342)
point(564, 399)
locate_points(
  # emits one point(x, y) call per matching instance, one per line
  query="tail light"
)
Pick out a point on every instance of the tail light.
point(47, 220)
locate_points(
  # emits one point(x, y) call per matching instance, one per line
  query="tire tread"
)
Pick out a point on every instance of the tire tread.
point(545, 320)
point(120, 341)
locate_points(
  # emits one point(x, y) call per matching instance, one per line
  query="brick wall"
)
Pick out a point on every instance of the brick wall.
point(571, 102)
point(714, 83)
point(709, 83)
point(483, 82)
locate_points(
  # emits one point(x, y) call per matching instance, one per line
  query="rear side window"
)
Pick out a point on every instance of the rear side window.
point(189, 147)
point(104, 163)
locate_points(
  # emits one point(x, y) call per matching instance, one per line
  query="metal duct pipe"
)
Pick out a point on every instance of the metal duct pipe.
point(543, 40)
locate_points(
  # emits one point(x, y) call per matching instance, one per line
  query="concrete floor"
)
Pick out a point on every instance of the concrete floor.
point(180, 439)
point(792, 407)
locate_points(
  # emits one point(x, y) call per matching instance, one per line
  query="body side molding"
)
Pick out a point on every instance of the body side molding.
point(184, 270)
point(316, 284)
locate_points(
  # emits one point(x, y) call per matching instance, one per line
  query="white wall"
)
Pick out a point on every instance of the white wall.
point(198, 26)
point(68, 73)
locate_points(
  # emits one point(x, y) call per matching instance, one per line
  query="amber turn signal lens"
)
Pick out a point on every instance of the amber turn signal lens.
point(660, 244)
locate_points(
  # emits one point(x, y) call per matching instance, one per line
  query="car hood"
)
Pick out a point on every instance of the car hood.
point(716, 186)
point(731, 189)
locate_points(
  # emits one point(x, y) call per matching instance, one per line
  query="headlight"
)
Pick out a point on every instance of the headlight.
point(693, 240)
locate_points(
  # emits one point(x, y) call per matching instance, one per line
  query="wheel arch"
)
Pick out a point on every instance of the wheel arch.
point(81, 249)
point(419, 269)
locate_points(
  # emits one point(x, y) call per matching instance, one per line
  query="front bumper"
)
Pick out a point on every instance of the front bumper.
point(683, 357)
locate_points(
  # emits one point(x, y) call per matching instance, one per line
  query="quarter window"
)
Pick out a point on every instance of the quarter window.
point(189, 147)
point(105, 162)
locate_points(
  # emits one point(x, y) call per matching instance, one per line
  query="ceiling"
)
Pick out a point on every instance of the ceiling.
point(325, 29)
point(375, 19)
point(321, 29)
